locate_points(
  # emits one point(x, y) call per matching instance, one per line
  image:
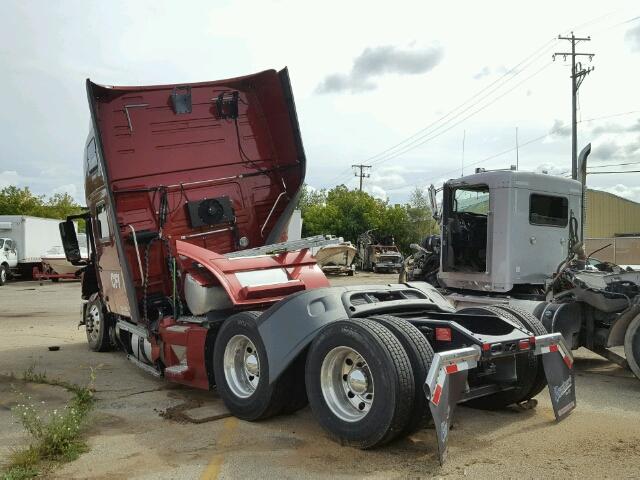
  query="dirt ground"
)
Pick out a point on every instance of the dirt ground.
point(132, 436)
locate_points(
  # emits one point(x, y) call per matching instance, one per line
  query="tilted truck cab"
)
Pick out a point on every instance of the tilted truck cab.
point(190, 188)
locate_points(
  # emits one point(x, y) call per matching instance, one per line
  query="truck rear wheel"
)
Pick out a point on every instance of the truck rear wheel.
point(4, 274)
point(632, 346)
point(530, 322)
point(241, 370)
point(297, 395)
point(526, 369)
point(96, 326)
point(420, 355)
point(359, 383)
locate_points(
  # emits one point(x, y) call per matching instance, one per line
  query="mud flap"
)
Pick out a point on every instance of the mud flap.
point(558, 368)
point(444, 386)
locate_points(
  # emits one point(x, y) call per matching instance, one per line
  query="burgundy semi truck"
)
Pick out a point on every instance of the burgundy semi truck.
point(189, 190)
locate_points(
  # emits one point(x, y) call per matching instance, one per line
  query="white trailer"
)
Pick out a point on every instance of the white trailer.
point(24, 241)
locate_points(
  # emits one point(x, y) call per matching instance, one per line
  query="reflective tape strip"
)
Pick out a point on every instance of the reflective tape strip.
point(448, 363)
point(437, 391)
point(559, 348)
point(448, 370)
point(436, 395)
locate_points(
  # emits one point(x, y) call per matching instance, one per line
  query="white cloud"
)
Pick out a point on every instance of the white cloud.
point(552, 169)
point(378, 61)
point(624, 191)
point(9, 177)
point(376, 191)
point(70, 188)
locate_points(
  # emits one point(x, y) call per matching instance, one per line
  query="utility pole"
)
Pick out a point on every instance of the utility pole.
point(577, 76)
point(361, 174)
point(517, 151)
point(464, 137)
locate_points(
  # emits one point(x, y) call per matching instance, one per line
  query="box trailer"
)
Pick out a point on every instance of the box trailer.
point(190, 189)
point(24, 240)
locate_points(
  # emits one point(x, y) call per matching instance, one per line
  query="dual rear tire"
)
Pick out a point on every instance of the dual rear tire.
point(363, 377)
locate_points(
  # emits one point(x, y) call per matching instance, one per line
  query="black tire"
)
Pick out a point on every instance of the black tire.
point(420, 355)
point(265, 400)
point(632, 346)
point(55, 279)
point(294, 377)
point(97, 326)
point(386, 364)
point(526, 370)
point(535, 326)
point(4, 274)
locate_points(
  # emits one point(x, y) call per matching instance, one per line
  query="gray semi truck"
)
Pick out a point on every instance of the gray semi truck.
point(515, 238)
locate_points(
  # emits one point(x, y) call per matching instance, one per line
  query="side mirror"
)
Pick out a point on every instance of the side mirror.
point(433, 202)
point(70, 242)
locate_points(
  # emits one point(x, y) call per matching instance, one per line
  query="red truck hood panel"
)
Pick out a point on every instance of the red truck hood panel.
point(157, 151)
point(146, 143)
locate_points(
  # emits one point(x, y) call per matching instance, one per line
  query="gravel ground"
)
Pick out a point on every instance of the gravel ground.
point(129, 438)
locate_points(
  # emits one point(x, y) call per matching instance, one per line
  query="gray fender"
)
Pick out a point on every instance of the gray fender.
point(290, 325)
point(619, 328)
point(565, 318)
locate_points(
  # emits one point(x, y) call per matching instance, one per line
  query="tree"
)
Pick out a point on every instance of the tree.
point(348, 213)
point(21, 201)
point(420, 215)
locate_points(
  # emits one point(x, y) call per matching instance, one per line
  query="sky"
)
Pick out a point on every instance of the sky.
point(422, 91)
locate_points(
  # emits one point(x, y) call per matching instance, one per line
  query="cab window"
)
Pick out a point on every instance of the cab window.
point(92, 156)
point(548, 210)
point(102, 223)
point(471, 200)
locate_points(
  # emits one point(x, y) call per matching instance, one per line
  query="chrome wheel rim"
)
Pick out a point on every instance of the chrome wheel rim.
point(241, 366)
point(3, 275)
point(93, 321)
point(347, 384)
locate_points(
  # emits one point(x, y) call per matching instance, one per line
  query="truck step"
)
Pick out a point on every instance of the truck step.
point(147, 368)
point(178, 372)
point(199, 319)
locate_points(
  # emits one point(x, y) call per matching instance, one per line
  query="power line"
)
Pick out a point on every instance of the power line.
point(619, 171)
point(614, 165)
point(427, 138)
point(545, 47)
point(540, 50)
point(528, 142)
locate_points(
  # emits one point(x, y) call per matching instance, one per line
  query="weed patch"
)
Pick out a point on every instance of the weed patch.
point(55, 434)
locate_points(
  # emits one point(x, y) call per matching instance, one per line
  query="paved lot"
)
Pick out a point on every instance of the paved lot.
point(130, 439)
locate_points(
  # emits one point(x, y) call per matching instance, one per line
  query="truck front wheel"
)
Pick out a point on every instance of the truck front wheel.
point(360, 383)
point(3, 274)
point(241, 370)
point(95, 321)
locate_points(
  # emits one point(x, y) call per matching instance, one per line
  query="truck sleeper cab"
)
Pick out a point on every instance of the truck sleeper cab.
point(189, 190)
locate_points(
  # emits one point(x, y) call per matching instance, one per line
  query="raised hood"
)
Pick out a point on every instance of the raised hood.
point(218, 165)
point(237, 138)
